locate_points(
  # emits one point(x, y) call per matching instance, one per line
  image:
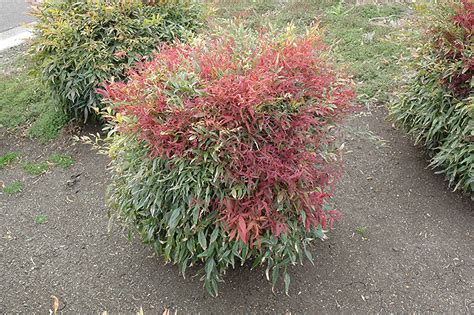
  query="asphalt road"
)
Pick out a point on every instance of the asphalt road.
point(13, 13)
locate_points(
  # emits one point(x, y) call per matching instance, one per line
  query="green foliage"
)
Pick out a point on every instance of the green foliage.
point(61, 160)
point(35, 168)
point(78, 45)
point(24, 102)
point(13, 188)
point(7, 159)
point(41, 219)
point(436, 105)
point(167, 201)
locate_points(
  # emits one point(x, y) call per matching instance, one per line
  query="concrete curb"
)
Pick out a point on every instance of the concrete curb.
point(14, 37)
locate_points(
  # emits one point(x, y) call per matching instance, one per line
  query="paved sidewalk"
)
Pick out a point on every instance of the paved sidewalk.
point(14, 20)
point(14, 13)
point(14, 37)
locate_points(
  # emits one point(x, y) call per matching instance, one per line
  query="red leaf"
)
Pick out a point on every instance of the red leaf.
point(232, 235)
point(242, 229)
point(280, 228)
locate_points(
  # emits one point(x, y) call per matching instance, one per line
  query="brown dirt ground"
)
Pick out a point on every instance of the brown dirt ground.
point(417, 254)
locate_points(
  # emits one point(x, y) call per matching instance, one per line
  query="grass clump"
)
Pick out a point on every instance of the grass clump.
point(7, 159)
point(13, 188)
point(61, 160)
point(41, 219)
point(35, 168)
point(362, 231)
point(25, 105)
point(48, 124)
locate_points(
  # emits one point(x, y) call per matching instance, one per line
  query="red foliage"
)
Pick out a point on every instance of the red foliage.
point(465, 17)
point(453, 45)
point(269, 118)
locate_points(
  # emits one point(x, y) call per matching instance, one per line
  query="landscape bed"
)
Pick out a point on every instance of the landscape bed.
point(397, 215)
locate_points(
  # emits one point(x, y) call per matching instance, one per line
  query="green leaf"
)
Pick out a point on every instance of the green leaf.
point(209, 268)
point(308, 254)
point(202, 240)
point(245, 249)
point(214, 235)
point(257, 261)
point(196, 215)
point(275, 275)
point(214, 286)
point(173, 222)
point(233, 193)
point(319, 232)
point(287, 282)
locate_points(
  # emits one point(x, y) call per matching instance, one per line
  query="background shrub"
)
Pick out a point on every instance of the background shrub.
point(80, 44)
point(226, 151)
point(437, 103)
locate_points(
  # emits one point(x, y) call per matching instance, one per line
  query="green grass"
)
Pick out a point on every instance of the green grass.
point(13, 188)
point(47, 125)
point(7, 159)
point(41, 219)
point(363, 38)
point(35, 168)
point(256, 13)
point(24, 104)
point(359, 36)
point(362, 231)
point(61, 160)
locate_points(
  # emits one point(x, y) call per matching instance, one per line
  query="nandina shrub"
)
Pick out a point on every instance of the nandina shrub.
point(436, 104)
point(79, 44)
point(225, 151)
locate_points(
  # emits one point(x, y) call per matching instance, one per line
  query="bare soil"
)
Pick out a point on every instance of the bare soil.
point(405, 243)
